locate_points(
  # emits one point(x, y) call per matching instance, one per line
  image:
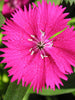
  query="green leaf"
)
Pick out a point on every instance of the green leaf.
point(72, 22)
point(2, 18)
point(57, 33)
point(74, 69)
point(70, 1)
point(15, 92)
point(69, 87)
point(26, 96)
point(1, 4)
point(1, 35)
point(73, 93)
point(57, 2)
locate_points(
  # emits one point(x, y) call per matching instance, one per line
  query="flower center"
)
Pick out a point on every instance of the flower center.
point(40, 45)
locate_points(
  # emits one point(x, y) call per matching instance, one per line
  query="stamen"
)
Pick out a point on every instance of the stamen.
point(49, 44)
point(35, 39)
point(30, 49)
point(32, 52)
point(33, 36)
point(30, 40)
point(43, 33)
point(45, 56)
point(42, 56)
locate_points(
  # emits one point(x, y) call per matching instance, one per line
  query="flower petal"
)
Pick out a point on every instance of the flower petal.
point(34, 73)
point(66, 40)
point(53, 74)
point(60, 60)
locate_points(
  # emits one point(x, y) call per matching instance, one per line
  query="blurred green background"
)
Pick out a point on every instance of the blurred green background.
point(4, 79)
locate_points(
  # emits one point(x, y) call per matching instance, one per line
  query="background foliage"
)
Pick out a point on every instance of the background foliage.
point(17, 92)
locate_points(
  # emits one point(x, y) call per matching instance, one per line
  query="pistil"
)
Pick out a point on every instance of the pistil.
point(40, 45)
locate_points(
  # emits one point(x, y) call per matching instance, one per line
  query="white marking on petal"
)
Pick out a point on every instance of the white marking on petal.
point(33, 36)
point(42, 56)
point(32, 52)
point(30, 40)
point(43, 33)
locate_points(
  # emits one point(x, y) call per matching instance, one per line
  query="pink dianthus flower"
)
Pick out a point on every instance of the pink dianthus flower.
point(10, 5)
point(30, 53)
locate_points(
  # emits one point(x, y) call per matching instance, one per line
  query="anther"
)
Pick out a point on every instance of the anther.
point(49, 44)
point(30, 49)
point(32, 52)
point(30, 40)
point(33, 36)
point(45, 56)
point(42, 56)
point(43, 33)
